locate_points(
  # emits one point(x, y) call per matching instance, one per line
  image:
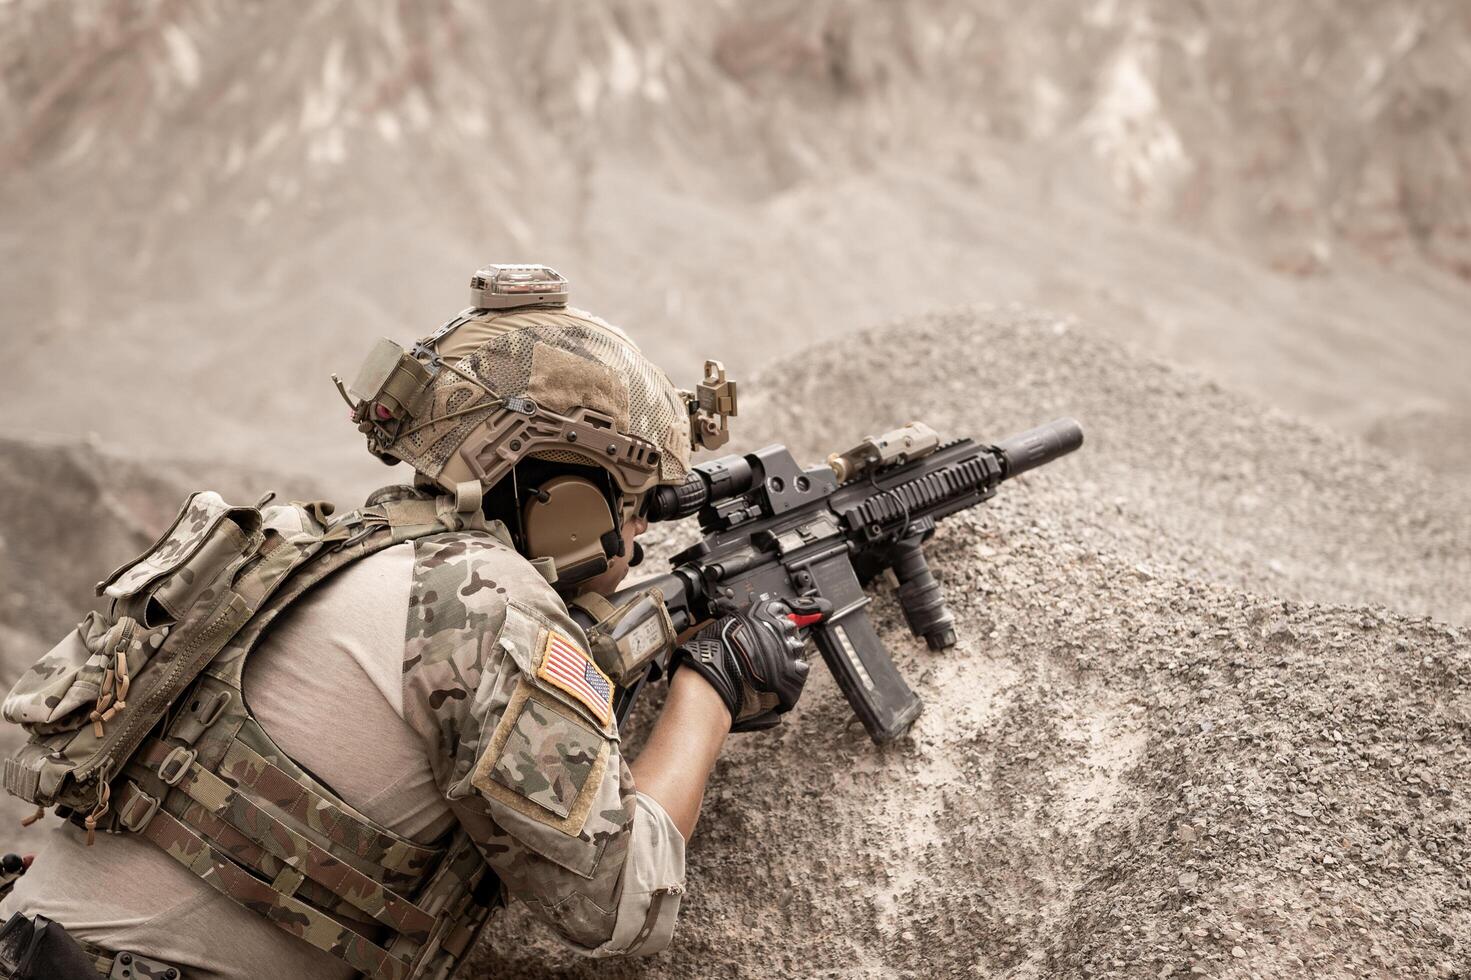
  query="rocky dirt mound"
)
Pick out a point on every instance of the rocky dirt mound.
point(1194, 724)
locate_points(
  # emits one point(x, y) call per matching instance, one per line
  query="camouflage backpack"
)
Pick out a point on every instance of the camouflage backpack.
point(137, 725)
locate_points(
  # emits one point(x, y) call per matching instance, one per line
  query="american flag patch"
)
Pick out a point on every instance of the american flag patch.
point(567, 667)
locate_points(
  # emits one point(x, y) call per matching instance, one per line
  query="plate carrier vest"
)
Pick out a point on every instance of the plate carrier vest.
point(138, 725)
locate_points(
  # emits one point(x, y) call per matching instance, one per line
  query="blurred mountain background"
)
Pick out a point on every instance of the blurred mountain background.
point(207, 206)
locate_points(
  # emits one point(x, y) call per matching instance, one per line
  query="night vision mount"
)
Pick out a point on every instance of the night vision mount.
point(711, 405)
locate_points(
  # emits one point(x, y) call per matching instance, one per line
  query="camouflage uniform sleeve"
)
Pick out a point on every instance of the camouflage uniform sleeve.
point(523, 744)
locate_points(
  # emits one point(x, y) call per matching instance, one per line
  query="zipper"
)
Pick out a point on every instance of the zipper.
point(223, 613)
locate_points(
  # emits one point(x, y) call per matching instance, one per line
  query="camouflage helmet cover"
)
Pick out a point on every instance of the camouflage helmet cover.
point(494, 386)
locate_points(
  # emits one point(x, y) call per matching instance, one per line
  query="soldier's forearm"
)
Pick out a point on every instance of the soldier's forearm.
point(681, 751)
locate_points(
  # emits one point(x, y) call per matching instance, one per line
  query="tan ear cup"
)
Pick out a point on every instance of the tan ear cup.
point(566, 520)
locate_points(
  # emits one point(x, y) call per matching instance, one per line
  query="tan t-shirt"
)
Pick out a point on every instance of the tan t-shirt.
point(327, 683)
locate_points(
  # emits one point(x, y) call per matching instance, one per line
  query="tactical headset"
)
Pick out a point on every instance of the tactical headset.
point(570, 518)
point(572, 513)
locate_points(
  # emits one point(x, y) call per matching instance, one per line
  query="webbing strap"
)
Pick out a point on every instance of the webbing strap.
point(250, 770)
point(278, 839)
point(596, 606)
point(229, 879)
point(283, 878)
point(263, 577)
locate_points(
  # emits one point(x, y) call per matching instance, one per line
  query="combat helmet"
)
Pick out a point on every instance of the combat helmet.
point(526, 401)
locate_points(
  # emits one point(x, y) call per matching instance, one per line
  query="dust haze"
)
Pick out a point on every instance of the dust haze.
point(1209, 710)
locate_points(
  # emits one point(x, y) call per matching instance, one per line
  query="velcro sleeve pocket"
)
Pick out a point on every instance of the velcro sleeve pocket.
point(550, 650)
point(547, 758)
point(544, 771)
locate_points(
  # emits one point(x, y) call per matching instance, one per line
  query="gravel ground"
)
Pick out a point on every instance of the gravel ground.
point(1197, 723)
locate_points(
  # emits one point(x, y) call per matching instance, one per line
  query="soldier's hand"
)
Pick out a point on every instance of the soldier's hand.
point(754, 662)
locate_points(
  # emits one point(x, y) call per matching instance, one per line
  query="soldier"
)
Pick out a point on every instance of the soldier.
point(324, 801)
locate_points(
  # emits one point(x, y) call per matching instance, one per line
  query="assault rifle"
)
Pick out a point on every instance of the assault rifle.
point(811, 539)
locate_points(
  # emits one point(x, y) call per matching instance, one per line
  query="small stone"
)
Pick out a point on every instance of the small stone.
point(1237, 952)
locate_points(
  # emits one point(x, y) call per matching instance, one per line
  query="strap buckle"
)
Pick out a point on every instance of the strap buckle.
point(134, 966)
point(128, 816)
point(175, 764)
point(203, 712)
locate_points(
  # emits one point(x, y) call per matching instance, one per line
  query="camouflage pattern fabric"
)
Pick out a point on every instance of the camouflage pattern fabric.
point(548, 758)
point(201, 512)
point(249, 769)
point(93, 699)
point(277, 838)
point(218, 796)
point(450, 896)
point(67, 677)
point(291, 915)
point(536, 778)
point(562, 356)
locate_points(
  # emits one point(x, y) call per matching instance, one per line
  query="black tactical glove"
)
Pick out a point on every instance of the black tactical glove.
point(754, 660)
point(12, 866)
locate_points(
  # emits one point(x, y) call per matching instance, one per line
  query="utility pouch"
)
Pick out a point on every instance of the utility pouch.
point(392, 379)
point(85, 678)
point(629, 637)
point(99, 691)
point(39, 949)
